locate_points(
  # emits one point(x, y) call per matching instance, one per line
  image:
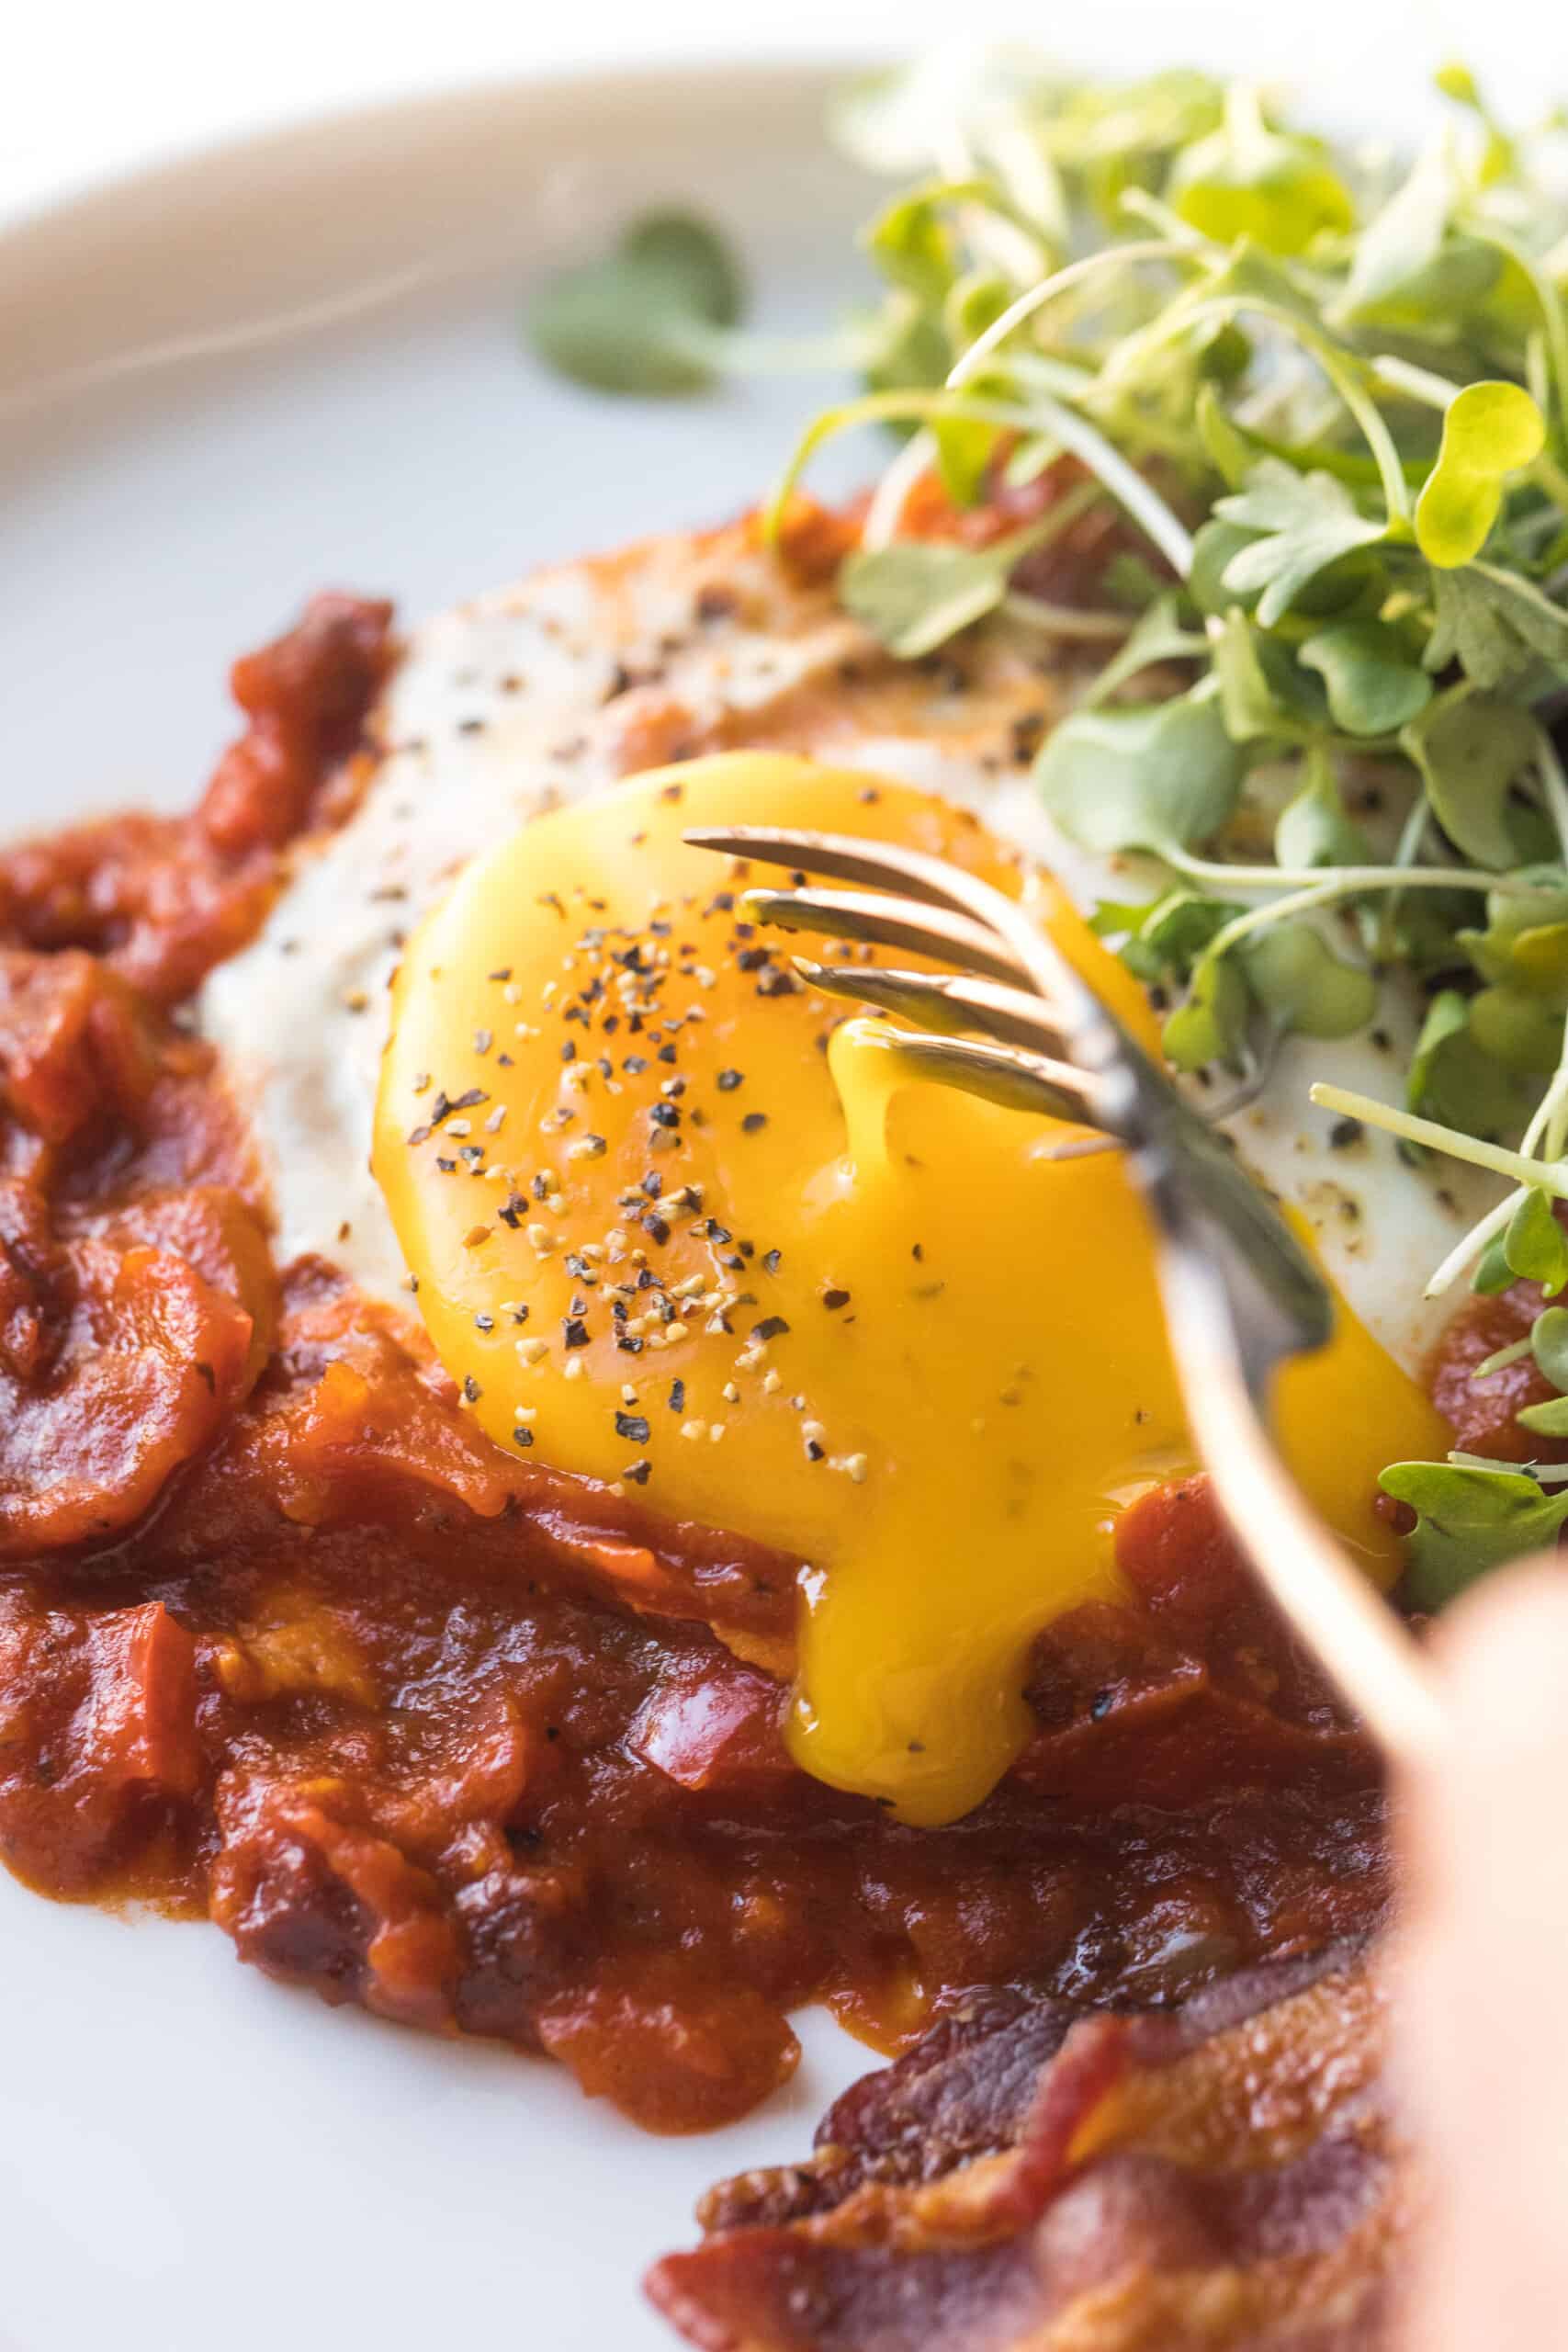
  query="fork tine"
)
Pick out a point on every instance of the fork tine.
point(1095, 1039)
point(944, 1002)
point(843, 857)
point(876, 921)
point(1000, 1074)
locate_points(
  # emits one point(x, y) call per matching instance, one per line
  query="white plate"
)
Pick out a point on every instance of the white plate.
point(192, 2156)
point(294, 364)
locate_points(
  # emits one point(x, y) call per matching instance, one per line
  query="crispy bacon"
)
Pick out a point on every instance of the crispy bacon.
point(1029, 2178)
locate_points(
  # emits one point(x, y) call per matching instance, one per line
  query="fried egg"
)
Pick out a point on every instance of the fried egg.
point(516, 1061)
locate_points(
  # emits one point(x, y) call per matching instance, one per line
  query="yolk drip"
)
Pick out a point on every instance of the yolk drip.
point(678, 1225)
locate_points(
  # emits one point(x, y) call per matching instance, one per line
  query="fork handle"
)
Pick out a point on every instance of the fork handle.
point(1350, 1630)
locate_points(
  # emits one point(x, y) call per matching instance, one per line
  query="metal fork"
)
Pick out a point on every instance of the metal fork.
point(1241, 1296)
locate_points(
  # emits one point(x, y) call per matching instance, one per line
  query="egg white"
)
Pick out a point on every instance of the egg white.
point(543, 694)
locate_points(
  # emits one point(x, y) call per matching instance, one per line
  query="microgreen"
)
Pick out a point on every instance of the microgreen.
point(1470, 747)
point(1468, 1520)
point(1161, 775)
point(649, 317)
point(1372, 685)
point(1535, 1246)
point(1329, 400)
point(1490, 431)
point(1302, 523)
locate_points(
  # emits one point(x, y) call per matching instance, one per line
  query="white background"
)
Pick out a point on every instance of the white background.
point(90, 88)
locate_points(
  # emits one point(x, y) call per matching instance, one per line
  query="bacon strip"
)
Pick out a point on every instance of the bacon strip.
point(1226, 2176)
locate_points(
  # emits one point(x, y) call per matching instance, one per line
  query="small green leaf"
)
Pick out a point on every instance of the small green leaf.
point(917, 593)
point(1548, 1345)
point(1535, 1245)
point(1314, 829)
point(1373, 686)
point(1469, 1520)
point(1249, 181)
point(1163, 939)
point(1524, 944)
point(1490, 431)
point(1296, 977)
point(1518, 1030)
point(646, 319)
point(1308, 521)
point(1453, 1080)
point(1547, 1419)
point(1214, 545)
point(912, 242)
point(1211, 1025)
point(1163, 775)
point(1496, 625)
point(1264, 694)
point(1470, 748)
point(1404, 239)
point(1493, 1273)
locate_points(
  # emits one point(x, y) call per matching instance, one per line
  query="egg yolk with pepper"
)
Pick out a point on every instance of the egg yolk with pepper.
point(679, 1224)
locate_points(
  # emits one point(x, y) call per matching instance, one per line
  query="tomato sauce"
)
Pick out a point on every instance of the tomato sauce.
point(286, 1641)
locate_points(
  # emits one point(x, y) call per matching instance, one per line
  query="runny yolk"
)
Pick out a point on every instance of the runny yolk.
point(677, 1223)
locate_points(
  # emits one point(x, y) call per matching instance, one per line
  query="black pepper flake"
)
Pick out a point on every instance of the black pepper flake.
point(656, 1227)
point(728, 1079)
point(503, 972)
point(753, 1122)
point(521, 1313)
point(569, 1051)
point(420, 1134)
point(574, 1330)
point(447, 1166)
point(1100, 1707)
point(664, 1114)
point(772, 1327)
point(471, 1389)
point(1343, 1133)
point(521, 1436)
point(834, 1299)
point(635, 1425)
point(635, 1064)
point(677, 1396)
point(777, 981)
point(638, 1472)
point(484, 1322)
point(771, 1260)
point(512, 1213)
point(752, 959)
point(654, 1184)
point(628, 1344)
point(814, 1453)
point(466, 1101)
point(667, 1053)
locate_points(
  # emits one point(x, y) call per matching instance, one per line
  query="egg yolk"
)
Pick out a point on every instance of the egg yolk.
point(678, 1224)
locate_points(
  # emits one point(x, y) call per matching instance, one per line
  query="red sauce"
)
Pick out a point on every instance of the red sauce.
point(284, 1641)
